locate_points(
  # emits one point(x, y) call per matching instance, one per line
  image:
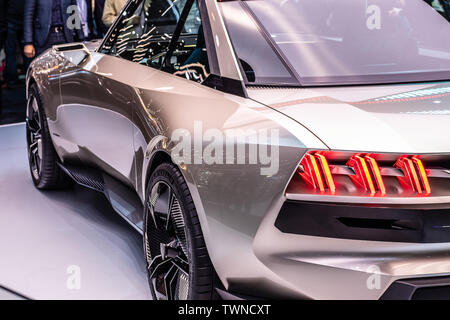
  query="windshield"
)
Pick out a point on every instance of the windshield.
point(328, 42)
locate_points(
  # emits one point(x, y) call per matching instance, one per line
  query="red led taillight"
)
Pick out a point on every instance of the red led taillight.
point(367, 174)
point(326, 172)
point(338, 173)
point(423, 175)
point(376, 174)
point(415, 175)
point(316, 172)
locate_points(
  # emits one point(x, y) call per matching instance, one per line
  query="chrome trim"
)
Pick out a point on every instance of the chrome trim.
point(387, 171)
point(341, 170)
point(226, 56)
point(71, 47)
point(439, 173)
point(367, 200)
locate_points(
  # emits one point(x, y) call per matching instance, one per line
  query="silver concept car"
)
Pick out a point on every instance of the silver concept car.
point(264, 148)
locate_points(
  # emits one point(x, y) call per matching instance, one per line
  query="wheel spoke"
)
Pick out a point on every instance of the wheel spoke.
point(34, 127)
point(157, 277)
point(37, 162)
point(34, 148)
point(34, 105)
point(33, 119)
point(181, 264)
point(34, 124)
point(168, 282)
point(158, 265)
point(161, 205)
point(171, 199)
point(152, 214)
point(31, 126)
point(169, 266)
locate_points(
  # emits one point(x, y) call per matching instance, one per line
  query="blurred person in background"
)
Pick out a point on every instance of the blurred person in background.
point(12, 12)
point(87, 19)
point(99, 6)
point(3, 30)
point(2, 36)
point(2, 42)
point(45, 25)
point(112, 10)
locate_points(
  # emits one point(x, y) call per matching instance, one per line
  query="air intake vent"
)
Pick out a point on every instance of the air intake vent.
point(70, 47)
point(86, 177)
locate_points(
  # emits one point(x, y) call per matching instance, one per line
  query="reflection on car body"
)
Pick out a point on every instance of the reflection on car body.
point(358, 110)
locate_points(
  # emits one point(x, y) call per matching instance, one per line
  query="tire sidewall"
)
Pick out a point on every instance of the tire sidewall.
point(34, 94)
point(47, 144)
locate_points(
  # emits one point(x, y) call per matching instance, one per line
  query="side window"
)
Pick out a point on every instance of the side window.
point(144, 31)
point(260, 63)
point(441, 6)
point(163, 34)
point(187, 57)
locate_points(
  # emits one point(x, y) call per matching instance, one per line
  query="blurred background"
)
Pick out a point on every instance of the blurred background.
point(29, 27)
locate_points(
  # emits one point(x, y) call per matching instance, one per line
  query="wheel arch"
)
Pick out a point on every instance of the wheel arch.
point(30, 81)
point(157, 158)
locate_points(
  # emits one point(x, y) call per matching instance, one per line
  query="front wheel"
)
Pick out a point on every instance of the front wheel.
point(42, 157)
point(178, 264)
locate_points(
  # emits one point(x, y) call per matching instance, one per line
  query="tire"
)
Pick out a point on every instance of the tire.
point(42, 157)
point(175, 249)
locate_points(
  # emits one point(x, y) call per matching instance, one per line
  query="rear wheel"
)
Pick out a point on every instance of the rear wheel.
point(42, 158)
point(178, 263)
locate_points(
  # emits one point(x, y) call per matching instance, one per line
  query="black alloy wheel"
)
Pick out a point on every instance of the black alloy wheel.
point(42, 157)
point(178, 264)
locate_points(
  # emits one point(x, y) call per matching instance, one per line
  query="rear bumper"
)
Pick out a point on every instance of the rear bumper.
point(433, 288)
point(419, 289)
point(413, 224)
point(314, 255)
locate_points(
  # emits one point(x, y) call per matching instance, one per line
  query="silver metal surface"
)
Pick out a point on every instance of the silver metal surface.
point(117, 115)
point(373, 200)
point(363, 121)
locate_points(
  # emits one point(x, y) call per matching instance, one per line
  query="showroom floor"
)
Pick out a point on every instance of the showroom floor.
point(62, 244)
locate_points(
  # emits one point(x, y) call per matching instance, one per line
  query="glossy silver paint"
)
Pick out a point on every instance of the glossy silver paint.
point(119, 116)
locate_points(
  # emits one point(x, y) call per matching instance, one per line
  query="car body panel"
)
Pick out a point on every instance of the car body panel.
point(117, 116)
point(156, 113)
point(410, 119)
point(88, 101)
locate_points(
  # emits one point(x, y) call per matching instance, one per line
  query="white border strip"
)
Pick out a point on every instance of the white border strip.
point(324, 199)
point(11, 124)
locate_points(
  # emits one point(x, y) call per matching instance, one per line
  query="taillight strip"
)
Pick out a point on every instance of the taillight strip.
point(415, 174)
point(363, 176)
point(327, 172)
point(317, 173)
point(312, 172)
point(423, 175)
point(377, 175)
point(367, 177)
point(364, 171)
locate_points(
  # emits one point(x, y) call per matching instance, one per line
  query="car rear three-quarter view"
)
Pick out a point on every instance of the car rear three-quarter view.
point(263, 148)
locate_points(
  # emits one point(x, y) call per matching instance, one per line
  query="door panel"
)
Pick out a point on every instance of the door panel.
point(94, 121)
